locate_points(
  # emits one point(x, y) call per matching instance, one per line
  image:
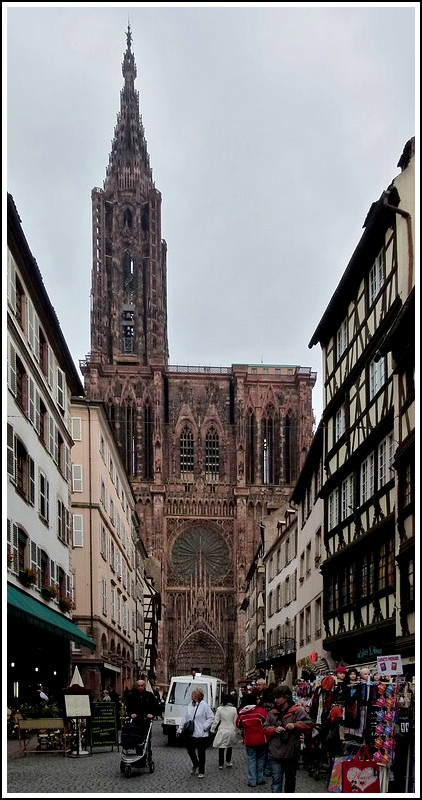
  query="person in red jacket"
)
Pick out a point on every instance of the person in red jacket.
point(250, 720)
point(284, 726)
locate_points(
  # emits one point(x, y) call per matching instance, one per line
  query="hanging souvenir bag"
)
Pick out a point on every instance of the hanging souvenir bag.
point(335, 784)
point(361, 774)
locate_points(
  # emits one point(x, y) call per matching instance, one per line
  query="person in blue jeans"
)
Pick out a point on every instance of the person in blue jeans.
point(284, 726)
point(250, 720)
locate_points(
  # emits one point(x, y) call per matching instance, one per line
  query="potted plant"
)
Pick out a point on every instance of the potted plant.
point(9, 560)
point(48, 592)
point(65, 603)
point(28, 576)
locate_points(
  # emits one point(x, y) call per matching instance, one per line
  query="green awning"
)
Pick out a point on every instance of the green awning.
point(25, 607)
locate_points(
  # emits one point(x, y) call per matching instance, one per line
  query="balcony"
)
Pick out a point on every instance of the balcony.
point(284, 648)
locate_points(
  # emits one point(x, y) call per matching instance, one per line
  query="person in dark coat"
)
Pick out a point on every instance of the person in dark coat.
point(140, 704)
point(114, 697)
point(249, 697)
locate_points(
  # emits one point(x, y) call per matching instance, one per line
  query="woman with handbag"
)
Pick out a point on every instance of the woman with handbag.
point(225, 730)
point(198, 712)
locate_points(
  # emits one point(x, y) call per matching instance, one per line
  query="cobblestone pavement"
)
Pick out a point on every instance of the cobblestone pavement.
point(99, 774)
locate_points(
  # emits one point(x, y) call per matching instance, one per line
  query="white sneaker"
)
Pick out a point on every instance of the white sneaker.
point(220, 768)
point(229, 764)
point(194, 770)
point(201, 775)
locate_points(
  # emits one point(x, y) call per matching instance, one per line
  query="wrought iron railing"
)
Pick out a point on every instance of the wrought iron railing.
point(283, 648)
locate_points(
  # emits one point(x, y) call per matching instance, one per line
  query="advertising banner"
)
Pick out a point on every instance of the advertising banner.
point(389, 665)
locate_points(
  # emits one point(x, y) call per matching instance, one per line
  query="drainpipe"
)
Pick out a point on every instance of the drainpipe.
point(408, 219)
point(91, 591)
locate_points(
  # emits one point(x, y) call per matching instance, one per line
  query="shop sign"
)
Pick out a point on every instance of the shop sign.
point(368, 651)
point(103, 725)
point(389, 665)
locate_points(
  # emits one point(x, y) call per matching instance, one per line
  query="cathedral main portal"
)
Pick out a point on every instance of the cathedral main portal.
point(201, 600)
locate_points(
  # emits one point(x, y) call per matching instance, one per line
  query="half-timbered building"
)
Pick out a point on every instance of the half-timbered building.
point(368, 434)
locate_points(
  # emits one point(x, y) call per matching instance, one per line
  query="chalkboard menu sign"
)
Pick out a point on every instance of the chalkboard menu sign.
point(103, 725)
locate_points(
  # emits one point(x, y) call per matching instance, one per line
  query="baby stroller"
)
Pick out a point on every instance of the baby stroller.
point(136, 747)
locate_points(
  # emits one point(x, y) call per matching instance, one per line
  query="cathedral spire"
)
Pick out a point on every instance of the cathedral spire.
point(129, 66)
point(129, 147)
point(129, 305)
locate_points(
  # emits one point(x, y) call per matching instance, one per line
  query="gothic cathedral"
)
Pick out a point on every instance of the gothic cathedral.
point(209, 450)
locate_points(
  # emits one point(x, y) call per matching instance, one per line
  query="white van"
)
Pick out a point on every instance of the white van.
point(179, 696)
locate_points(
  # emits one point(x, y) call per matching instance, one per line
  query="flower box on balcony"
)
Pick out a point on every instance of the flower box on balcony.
point(65, 604)
point(48, 592)
point(28, 576)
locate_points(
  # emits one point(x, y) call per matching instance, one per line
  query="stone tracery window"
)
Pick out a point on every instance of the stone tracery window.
point(290, 433)
point(129, 437)
point(186, 450)
point(127, 218)
point(268, 447)
point(201, 548)
point(128, 271)
point(148, 438)
point(212, 452)
point(250, 448)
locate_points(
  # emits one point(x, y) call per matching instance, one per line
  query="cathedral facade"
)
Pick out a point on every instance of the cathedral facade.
point(209, 450)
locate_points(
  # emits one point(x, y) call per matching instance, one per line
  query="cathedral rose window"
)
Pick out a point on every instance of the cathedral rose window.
point(201, 547)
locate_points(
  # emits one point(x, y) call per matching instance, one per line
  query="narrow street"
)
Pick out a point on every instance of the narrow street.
point(99, 773)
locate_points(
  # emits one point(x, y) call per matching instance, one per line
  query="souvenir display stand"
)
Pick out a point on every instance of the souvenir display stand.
point(367, 762)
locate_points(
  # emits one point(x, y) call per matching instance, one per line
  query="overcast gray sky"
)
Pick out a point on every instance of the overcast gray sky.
point(270, 130)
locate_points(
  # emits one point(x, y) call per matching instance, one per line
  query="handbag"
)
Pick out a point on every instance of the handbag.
point(189, 726)
point(361, 773)
point(335, 784)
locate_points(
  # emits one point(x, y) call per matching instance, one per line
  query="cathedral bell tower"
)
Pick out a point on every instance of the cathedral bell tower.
point(209, 450)
point(129, 297)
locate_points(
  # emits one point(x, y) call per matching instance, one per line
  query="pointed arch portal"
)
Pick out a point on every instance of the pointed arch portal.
point(202, 651)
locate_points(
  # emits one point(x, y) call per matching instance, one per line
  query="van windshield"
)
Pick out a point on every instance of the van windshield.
point(180, 693)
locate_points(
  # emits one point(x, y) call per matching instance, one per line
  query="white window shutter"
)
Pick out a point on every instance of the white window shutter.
point(11, 283)
point(78, 530)
point(11, 454)
point(12, 369)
